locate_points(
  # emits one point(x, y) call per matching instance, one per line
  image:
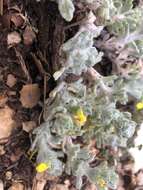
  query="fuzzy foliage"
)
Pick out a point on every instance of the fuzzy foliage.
point(104, 119)
point(124, 21)
point(120, 16)
point(80, 52)
point(66, 9)
point(86, 111)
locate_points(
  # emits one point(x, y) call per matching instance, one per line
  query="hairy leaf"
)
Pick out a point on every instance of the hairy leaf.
point(66, 9)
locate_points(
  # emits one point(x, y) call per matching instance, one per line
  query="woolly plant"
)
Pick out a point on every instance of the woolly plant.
point(89, 109)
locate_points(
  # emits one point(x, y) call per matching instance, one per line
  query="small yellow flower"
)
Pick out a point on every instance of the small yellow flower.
point(80, 118)
point(139, 106)
point(41, 167)
point(101, 182)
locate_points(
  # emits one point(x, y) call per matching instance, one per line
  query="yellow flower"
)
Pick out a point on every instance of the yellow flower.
point(80, 118)
point(139, 106)
point(101, 182)
point(41, 167)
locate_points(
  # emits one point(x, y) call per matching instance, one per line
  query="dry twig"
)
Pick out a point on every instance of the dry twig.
point(1, 7)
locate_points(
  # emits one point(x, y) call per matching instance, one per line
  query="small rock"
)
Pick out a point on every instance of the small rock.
point(13, 38)
point(8, 175)
point(30, 95)
point(11, 80)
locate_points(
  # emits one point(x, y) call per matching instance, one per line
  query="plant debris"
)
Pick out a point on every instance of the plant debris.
point(13, 38)
point(18, 19)
point(28, 126)
point(7, 124)
point(11, 80)
point(30, 95)
point(17, 186)
point(3, 100)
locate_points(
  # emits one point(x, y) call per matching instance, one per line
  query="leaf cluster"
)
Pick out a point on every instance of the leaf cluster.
point(100, 100)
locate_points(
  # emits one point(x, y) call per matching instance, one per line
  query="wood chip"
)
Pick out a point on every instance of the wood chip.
point(28, 126)
point(11, 93)
point(59, 187)
point(28, 36)
point(18, 19)
point(3, 100)
point(11, 80)
point(13, 38)
point(17, 186)
point(30, 95)
point(6, 122)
